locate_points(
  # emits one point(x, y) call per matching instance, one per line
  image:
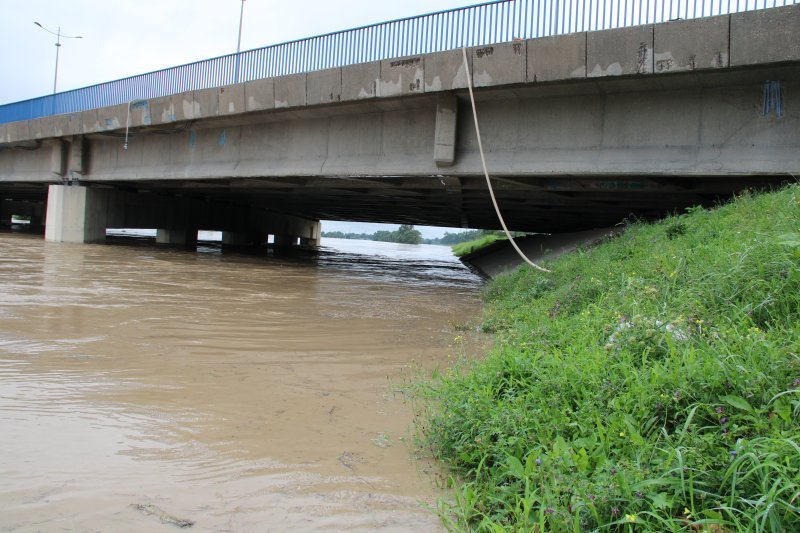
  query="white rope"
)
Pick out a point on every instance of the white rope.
point(486, 171)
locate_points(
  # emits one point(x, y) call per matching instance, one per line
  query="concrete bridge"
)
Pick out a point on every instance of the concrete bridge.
point(581, 130)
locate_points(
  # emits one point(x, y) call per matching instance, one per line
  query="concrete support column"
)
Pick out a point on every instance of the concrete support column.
point(254, 238)
point(313, 236)
point(307, 232)
point(76, 214)
point(5, 215)
point(178, 237)
point(285, 239)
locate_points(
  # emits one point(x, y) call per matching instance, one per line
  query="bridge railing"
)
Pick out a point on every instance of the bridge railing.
point(476, 25)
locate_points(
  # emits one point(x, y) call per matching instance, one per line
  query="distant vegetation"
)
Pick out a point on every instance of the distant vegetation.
point(407, 234)
point(651, 383)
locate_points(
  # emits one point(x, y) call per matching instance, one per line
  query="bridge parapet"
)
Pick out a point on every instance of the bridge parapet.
point(739, 40)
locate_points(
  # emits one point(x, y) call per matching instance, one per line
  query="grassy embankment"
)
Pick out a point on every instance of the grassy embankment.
point(463, 248)
point(649, 384)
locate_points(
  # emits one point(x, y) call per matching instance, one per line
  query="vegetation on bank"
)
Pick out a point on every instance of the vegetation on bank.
point(408, 235)
point(484, 239)
point(651, 383)
point(405, 234)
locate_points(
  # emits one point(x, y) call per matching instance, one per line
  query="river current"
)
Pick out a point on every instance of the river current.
point(141, 386)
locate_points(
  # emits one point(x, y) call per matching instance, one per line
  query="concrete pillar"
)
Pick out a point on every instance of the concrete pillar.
point(5, 215)
point(300, 231)
point(76, 214)
point(178, 237)
point(313, 236)
point(285, 240)
point(254, 238)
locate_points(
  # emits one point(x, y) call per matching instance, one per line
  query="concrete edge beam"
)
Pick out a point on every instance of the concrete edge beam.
point(444, 71)
point(499, 64)
point(401, 76)
point(172, 108)
point(90, 121)
point(231, 100)
point(259, 94)
point(765, 36)
point(620, 52)
point(556, 58)
point(19, 131)
point(205, 103)
point(112, 117)
point(360, 81)
point(685, 45)
point(324, 86)
point(290, 91)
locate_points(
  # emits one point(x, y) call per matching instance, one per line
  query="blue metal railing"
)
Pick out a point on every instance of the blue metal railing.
point(477, 25)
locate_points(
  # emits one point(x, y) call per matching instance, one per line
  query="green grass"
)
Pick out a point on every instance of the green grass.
point(649, 384)
point(464, 248)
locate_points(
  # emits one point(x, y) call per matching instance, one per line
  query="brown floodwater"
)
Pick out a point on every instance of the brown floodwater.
point(244, 393)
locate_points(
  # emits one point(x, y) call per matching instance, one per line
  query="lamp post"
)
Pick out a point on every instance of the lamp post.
point(58, 35)
point(239, 41)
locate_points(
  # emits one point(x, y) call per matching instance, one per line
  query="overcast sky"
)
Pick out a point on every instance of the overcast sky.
point(121, 38)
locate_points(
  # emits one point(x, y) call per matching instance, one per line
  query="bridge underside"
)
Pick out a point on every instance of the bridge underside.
point(551, 205)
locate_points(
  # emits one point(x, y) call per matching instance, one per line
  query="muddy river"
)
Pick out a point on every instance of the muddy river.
point(141, 386)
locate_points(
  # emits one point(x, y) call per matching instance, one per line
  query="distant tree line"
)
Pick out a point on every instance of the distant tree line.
point(408, 235)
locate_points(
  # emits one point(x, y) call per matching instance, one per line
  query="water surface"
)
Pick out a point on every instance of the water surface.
point(241, 392)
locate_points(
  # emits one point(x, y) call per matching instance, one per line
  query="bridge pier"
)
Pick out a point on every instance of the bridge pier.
point(76, 214)
point(31, 209)
point(179, 237)
point(299, 232)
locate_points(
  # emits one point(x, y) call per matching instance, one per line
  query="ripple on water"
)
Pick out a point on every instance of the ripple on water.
point(223, 388)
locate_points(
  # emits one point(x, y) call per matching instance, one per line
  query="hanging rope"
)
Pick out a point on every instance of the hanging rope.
point(486, 171)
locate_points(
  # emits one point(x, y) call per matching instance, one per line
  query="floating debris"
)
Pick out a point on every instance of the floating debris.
point(166, 518)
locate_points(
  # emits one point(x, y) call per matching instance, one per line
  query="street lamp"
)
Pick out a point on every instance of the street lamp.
point(239, 42)
point(58, 35)
point(241, 16)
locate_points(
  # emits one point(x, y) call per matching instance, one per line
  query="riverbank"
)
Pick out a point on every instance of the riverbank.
point(650, 383)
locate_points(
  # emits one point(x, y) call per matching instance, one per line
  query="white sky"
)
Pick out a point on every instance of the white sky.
point(126, 37)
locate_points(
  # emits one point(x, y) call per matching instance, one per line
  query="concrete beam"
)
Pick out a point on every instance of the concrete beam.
point(765, 36)
point(205, 103)
point(499, 64)
point(290, 91)
point(112, 117)
point(59, 154)
point(555, 58)
point(361, 81)
point(259, 94)
point(691, 44)
point(400, 76)
point(620, 52)
point(231, 100)
point(444, 145)
point(90, 121)
point(78, 158)
point(444, 71)
point(324, 86)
